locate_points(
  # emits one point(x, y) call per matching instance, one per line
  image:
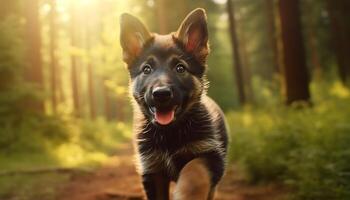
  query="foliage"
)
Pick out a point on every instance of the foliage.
point(12, 88)
point(306, 149)
point(58, 142)
point(42, 142)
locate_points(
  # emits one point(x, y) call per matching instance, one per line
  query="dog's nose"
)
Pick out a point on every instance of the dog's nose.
point(163, 93)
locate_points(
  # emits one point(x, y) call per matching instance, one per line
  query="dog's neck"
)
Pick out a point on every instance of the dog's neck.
point(194, 125)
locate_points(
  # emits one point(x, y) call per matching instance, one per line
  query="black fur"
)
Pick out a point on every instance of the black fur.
point(196, 125)
point(198, 130)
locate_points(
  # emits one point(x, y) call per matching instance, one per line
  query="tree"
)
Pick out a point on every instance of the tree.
point(74, 64)
point(11, 46)
point(6, 8)
point(33, 72)
point(340, 29)
point(295, 70)
point(272, 36)
point(90, 71)
point(235, 50)
point(312, 43)
point(162, 16)
point(107, 100)
point(53, 59)
point(246, 68)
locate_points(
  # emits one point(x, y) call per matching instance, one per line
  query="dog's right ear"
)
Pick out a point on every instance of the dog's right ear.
point(193, 33)
point(133, 35)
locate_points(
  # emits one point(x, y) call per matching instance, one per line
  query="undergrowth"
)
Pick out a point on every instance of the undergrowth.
point(306, 149)
point(42, 141)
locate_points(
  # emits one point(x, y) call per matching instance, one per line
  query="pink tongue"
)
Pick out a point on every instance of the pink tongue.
point(164, 118)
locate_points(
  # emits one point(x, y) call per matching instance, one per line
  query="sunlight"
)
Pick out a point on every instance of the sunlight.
point(73, 155)
point(247, 119)
point(86, 2)
point(339, 90)
point(220, 1)
point(45, 9)
point(150, 3)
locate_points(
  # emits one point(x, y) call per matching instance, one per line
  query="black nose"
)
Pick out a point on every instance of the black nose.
point(163, 93)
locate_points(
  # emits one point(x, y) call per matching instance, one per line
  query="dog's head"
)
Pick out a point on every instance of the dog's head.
point(167, 71)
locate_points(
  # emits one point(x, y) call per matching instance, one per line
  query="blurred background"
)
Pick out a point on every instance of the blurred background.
point(280, 69)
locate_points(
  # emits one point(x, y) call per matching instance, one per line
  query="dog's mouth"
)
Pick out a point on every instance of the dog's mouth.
point(163, 116)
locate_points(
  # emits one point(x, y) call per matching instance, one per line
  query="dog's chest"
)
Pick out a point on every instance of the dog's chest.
point(155, 158)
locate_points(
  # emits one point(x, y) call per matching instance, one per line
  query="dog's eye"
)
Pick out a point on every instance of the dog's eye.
point(147, 69)
point(180, 68)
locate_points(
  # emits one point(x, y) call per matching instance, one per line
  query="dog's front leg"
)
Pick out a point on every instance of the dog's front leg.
point(194, 182)
point(156, 186)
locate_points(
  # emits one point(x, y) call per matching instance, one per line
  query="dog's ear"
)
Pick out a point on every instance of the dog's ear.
point(133, 35)
point(193, 33)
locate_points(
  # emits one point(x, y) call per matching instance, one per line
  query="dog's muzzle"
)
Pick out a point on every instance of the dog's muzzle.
point(163, 107)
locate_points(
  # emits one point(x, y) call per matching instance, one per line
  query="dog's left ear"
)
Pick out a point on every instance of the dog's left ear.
point(133, 36)
point(193, 33)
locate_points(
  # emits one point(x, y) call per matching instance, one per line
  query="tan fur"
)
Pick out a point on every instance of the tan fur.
point(193, 182)
point(163, 41)
point(201, 147)
point(202, 51)
point(133, 36)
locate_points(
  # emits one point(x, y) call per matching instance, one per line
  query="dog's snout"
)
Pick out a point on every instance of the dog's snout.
point(161, 94)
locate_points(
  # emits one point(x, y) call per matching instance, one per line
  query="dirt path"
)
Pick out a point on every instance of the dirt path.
point(118, 180)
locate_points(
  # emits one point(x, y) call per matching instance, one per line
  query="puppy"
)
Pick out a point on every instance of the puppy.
point(180, 133)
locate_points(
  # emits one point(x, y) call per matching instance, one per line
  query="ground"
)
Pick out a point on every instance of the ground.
point(118, 180)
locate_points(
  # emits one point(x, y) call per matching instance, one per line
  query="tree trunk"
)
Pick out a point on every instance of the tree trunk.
point(340, 28)
point(53, 59)
point(120, 112)
point(315, 60)
point(247, 74)
point(90, 70)
point(7, 7)
point(60, 93)
point(7, 78)
point(33, 72)
point(74, 65)
point(295, 72)
point(162, 16)
point(235, 50)
point(183, 7)
point(91, 90)
point(272, 36)
point(107, 101)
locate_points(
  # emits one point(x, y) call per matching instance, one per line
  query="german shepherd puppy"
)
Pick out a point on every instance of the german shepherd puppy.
point(180, 133)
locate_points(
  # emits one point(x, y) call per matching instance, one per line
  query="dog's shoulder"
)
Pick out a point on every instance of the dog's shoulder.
point(211, 106)
point(217, 118)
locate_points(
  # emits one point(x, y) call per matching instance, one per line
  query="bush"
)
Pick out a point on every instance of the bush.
point(31, 133)
point(52, 141)
point(307, 149)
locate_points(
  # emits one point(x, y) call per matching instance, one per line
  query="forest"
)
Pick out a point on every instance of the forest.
point(279, 69)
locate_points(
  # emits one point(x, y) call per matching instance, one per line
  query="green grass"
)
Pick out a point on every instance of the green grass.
point(66, 143)
point(45, 143)
point(307, 149)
